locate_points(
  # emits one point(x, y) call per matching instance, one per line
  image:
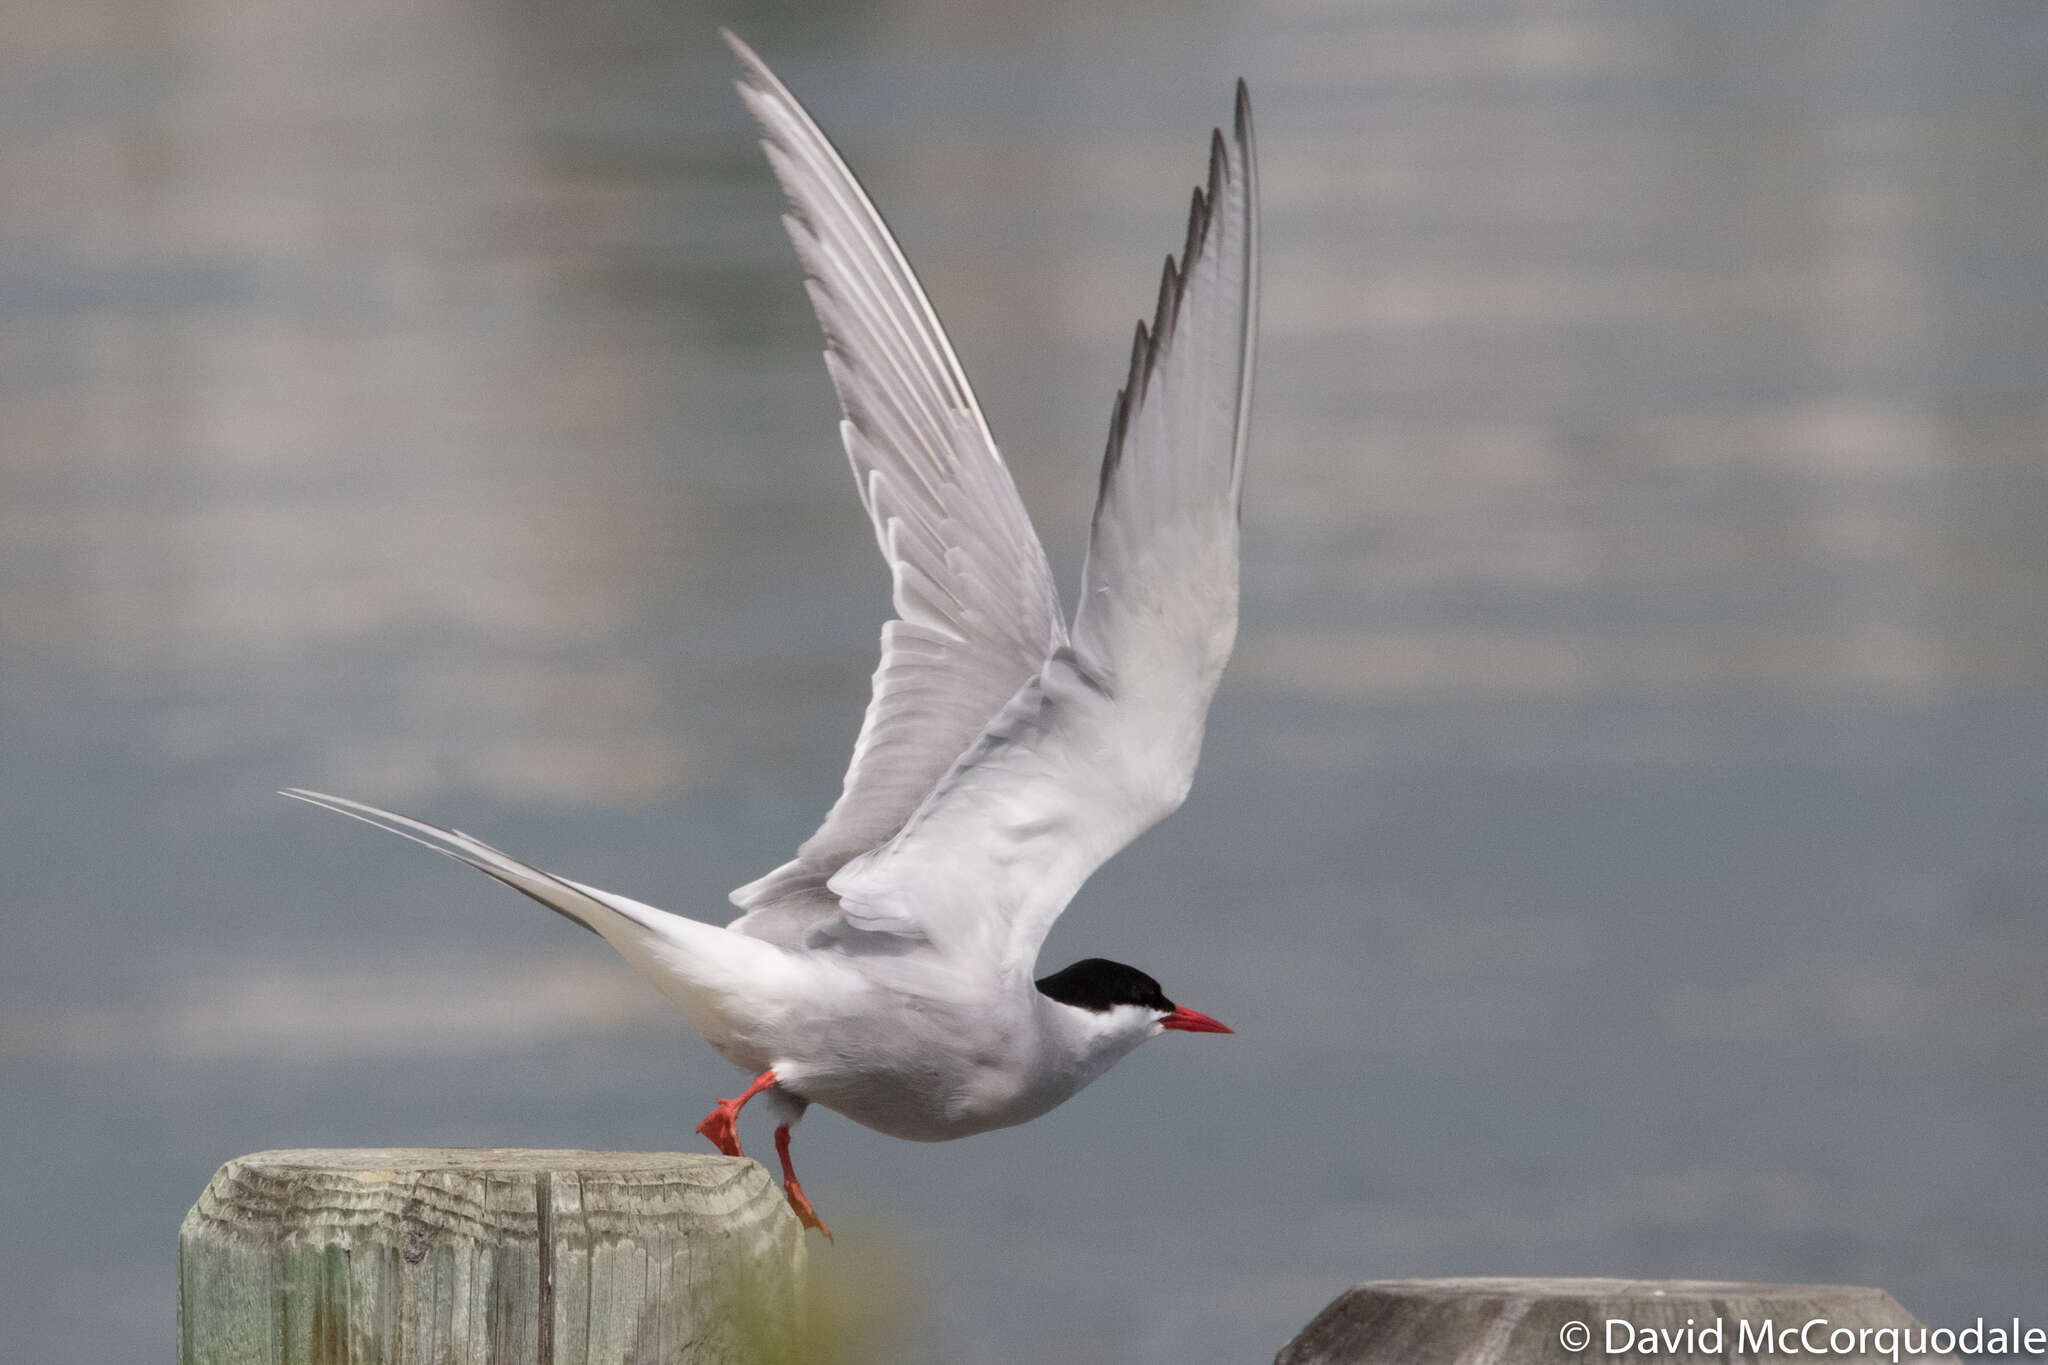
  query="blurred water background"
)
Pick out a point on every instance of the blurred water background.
point(1620, 840)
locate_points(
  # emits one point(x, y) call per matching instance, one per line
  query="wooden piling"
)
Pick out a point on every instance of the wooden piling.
point(1559, 1321)
point(467, 1256)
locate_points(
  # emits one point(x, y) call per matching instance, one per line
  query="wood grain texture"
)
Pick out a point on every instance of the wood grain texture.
point(1519, 1321)
point(452, 1256)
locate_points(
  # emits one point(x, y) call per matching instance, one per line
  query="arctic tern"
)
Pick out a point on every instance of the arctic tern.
point(885, 971)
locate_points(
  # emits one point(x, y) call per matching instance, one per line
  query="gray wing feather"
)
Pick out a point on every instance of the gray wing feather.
point(976, 609)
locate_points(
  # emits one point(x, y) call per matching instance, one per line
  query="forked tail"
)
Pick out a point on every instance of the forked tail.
point(584, 906)
point(720, 979)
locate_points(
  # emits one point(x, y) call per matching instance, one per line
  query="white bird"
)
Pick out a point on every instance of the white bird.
point(886, 971)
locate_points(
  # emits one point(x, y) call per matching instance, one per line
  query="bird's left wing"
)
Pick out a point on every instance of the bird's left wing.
point(976, 612)
point(1103, 742)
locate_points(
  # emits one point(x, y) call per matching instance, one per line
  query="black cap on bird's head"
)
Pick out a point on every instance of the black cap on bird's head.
point(1096, 983)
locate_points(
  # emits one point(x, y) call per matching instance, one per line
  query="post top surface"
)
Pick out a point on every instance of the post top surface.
point(1555, 1287)
point(506, 1159)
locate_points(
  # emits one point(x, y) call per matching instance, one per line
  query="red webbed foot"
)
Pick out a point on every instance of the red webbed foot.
point(801, 1206)
point(721, 1124)
point(721, 1127)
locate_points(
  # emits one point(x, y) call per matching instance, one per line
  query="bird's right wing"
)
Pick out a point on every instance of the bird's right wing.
point(976, 611)
point(1103, 742)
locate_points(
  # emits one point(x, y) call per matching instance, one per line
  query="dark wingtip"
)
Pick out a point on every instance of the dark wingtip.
point(1219, 164)
point(1165, 312)
point(1146, 346)
point(1127, 400)
point(1113, 452)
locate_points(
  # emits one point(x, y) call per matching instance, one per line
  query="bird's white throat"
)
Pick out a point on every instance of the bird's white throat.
point(1096, 1040)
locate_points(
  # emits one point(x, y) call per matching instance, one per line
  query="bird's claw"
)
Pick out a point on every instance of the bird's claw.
point(721, 1126)
point(801, 1206)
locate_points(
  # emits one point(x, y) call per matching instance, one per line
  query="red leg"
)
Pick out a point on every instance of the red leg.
point(719, 1124)
point(806, 1215)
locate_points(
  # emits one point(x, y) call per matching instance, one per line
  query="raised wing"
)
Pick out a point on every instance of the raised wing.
point(976, 611)
point(1103, 743)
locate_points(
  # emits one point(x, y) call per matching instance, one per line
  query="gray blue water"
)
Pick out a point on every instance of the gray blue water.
point(1620, 841)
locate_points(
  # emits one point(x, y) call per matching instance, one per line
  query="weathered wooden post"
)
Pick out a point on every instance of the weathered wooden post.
point(1553, 1321)
point(468, 1256)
